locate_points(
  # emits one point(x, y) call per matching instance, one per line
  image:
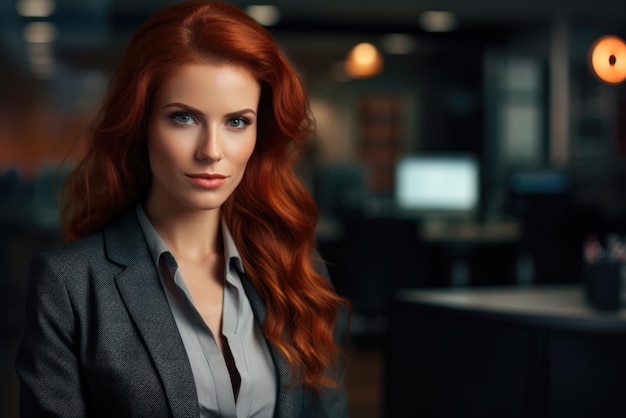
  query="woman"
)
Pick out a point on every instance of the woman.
point(191, 287)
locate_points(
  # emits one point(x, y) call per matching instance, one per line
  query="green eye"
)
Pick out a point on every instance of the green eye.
point(182, 118)
point(238, 122)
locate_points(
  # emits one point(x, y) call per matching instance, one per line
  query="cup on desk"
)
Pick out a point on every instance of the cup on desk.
point(603, 266)
point(603, 285)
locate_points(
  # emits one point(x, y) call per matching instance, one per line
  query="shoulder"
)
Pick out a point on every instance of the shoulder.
point(78, 272)
point(93, 249)
point(71, 255)
point(66, 269)
point(88, 257)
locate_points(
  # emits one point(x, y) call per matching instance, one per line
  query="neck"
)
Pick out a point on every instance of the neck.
point(190, 234)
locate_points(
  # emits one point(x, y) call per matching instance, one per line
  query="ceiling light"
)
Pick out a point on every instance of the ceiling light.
point(608, 59)
point(437, 21)
point(265, 15)
point(39, 32)
point(35, 8)
point(398, 44)
point(364, 61)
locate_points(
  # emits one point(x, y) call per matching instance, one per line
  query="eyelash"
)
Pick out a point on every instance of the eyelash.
point(175, 115)
point(245, 121)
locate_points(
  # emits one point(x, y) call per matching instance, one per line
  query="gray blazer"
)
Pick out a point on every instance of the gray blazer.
point(100, 339)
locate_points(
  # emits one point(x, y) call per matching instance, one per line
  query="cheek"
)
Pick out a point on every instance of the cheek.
point(164, 152)
point(157, 156)
point(162, 162)
point(248, 149)
point(247, 154)
point(245, 157)
point(239, 152)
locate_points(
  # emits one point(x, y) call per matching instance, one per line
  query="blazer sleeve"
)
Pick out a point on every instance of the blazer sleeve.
point(47, 361)
point(333, 401)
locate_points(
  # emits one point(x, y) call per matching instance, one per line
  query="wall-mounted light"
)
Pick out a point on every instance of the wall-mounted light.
point(39, 32)
point(264, 14)
point(364, 61)
point(437, 21)
point(39, 38)
point(35, 8)
point(608, 59)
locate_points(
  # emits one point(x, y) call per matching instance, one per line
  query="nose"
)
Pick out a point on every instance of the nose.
point(209, 145)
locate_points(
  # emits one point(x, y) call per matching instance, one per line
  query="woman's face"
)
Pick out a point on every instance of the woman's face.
point(201, 133)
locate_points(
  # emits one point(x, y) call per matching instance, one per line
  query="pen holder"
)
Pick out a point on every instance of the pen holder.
point(603, 285)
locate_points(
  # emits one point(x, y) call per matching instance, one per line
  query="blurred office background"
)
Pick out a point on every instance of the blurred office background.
point(498, 96)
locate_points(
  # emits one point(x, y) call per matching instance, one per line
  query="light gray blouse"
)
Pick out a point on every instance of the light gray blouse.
point(257, 391)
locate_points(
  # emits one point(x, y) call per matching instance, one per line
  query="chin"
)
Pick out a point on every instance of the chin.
point(205, 205)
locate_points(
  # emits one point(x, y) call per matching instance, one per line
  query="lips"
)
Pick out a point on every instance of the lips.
point(207, 180)
point(207, 176)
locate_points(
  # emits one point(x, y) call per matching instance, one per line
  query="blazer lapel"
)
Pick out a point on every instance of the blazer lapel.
point(290, 396)
point(142, 293)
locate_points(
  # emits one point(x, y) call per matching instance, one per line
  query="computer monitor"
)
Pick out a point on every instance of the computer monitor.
point(443, 186)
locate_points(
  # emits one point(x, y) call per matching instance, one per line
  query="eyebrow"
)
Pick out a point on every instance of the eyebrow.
point(192, 109)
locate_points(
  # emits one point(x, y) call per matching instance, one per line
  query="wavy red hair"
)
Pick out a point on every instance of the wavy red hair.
point(271, 215)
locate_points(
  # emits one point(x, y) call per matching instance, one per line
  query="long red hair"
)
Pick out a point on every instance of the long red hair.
point(271, 215)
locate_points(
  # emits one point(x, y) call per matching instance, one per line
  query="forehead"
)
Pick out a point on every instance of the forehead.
point(200, 83)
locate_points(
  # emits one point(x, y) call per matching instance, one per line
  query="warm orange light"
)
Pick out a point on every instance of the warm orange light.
point(363, 61)
point(608, 59)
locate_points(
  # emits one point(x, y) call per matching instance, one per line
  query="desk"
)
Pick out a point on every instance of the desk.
point(471, 232)
point(470, 253)
point(533, 352)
